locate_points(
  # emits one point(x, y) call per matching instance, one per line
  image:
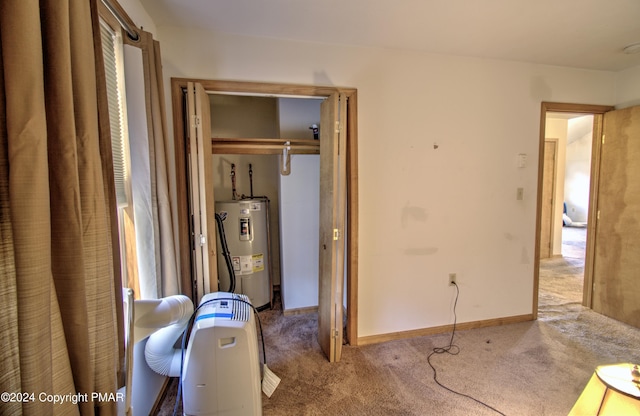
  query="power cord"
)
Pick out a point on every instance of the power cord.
point(187, 332)
point(453, 349)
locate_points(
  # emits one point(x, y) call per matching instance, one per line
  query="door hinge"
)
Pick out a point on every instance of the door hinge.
point(338, 127)
point(196, 121)
point(335, 333)
point(203, 240)
point(598, 215)
point(336, 234)
point(603, 139)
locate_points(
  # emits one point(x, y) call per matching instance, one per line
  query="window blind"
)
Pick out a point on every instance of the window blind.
point(115, 112)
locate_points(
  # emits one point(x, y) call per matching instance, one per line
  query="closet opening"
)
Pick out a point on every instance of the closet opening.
point(264, 149)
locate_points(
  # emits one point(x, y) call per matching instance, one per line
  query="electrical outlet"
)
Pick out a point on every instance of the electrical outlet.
point(452, 279)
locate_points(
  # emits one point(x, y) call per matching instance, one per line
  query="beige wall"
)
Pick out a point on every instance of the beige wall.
point(424, 212)
point(139, 15)
point(628, 88)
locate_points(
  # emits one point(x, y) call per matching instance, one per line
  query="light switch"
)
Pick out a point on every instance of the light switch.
point(522, 160)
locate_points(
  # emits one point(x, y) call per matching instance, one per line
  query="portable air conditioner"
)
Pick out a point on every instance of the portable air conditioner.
point(221, 374)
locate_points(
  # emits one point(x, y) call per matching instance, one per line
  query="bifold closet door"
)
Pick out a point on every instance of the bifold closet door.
point(333, 194)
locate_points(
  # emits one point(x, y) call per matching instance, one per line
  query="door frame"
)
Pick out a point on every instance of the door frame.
point(552, 193)
point(597, 111)
point(179, 85)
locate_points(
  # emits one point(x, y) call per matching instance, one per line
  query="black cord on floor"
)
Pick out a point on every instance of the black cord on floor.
point(453, 349)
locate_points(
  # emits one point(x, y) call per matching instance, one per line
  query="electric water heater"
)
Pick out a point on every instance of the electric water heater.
point(247, 234)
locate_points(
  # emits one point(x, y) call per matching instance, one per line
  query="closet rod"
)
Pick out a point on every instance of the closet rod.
point(122, 18)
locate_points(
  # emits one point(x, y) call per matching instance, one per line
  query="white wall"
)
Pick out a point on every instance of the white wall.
point(297, 115)
point(299, 208)
point(424, 212)
point(578, 167)
point(556, 128)
point(299, 225)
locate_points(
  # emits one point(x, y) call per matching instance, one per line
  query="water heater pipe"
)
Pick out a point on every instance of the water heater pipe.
point(251, 180)
point(233, 182)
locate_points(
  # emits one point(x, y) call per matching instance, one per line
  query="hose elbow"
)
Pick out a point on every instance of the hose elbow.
point(160, 354)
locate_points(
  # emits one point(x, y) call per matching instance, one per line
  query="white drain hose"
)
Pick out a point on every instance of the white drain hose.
point(159, 352)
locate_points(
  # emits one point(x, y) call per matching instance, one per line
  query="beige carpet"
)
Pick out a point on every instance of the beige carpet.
point(533, 368)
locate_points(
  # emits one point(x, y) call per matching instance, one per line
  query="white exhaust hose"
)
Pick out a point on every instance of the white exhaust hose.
point(159, 352)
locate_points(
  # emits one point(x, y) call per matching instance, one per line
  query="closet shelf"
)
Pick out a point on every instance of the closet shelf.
point(262, 146)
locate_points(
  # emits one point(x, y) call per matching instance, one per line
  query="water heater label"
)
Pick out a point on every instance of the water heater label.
point(258, 262)
point(236, 263)
point(245, 208)
point(256, 206)
point(245, 229)
point(246, 264)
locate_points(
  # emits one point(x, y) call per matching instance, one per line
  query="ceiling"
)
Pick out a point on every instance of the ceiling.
point(588, 34)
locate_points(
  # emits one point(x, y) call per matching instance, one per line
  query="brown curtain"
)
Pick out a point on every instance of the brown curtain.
point(60, 316)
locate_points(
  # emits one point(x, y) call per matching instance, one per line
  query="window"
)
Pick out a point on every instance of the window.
point(112, 50)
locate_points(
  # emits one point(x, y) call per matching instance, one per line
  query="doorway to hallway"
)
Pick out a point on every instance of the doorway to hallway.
point(562, 277)
point(566, 198)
